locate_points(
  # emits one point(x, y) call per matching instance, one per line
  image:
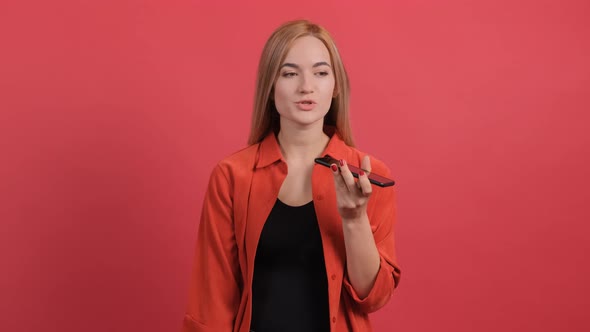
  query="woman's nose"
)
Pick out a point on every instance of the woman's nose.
point(306, 84)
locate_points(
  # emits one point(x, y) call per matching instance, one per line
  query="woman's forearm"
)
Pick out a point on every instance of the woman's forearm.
point(362, 257)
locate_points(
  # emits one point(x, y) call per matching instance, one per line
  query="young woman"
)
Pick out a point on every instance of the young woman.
point(285, 244)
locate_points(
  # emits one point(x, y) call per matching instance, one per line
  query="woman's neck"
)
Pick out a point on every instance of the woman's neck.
point(302, 144)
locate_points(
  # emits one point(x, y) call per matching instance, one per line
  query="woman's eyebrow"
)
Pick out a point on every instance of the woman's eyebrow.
point(322, 63)
point(287, 64)
point(317, 64)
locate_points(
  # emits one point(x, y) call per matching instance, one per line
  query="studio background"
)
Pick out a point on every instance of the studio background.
point(113, 114)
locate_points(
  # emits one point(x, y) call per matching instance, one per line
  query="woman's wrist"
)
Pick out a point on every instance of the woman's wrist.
point(355, 220)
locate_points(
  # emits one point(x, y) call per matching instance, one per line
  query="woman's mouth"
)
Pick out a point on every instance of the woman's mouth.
point(306, 105)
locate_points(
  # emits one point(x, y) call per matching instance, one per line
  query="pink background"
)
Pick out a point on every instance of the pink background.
point(113, 113)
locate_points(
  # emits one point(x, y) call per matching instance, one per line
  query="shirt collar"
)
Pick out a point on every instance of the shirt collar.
point(270, 151)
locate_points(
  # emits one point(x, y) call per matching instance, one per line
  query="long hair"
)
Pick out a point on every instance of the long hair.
point(265, 117)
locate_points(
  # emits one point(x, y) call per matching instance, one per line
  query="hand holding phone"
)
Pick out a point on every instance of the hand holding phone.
point(375, 179)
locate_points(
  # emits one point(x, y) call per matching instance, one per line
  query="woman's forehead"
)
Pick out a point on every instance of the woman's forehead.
point(307, 51)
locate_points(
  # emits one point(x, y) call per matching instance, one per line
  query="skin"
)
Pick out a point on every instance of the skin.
point(306, 74)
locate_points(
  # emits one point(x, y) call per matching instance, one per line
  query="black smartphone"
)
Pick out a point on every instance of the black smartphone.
point(375, 179)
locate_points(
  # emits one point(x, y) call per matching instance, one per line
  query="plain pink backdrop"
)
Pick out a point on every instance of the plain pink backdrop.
point(480, 108)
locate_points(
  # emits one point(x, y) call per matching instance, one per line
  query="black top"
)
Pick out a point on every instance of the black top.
point(290, 286)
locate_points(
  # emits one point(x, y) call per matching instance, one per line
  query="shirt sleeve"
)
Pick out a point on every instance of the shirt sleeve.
point(214, 289)
point(382, 216)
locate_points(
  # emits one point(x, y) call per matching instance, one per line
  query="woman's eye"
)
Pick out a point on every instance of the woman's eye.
point(289, 74)
point(322, 73)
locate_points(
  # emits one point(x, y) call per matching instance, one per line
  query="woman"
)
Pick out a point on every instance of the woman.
point(285, 244)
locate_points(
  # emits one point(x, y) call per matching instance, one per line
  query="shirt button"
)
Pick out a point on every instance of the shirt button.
point(334, 319)
point(333, 277)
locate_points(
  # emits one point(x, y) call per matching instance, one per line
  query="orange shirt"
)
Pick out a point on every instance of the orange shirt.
point(241, 193)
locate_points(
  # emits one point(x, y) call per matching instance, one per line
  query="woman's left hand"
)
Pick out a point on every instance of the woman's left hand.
point(352, 195)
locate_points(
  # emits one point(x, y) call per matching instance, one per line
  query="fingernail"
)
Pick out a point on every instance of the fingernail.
point(334, 167)
point(341, 162)
point(361, 172)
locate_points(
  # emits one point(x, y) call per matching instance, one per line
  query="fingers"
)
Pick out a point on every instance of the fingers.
point(338, 180)
point(347, 176)
point(365, 184)
point(366, 164)
point(345, 180)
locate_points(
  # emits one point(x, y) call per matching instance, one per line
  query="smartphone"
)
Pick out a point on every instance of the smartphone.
point(375, 179)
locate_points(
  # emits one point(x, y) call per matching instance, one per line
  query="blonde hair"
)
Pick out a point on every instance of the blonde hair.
point(265, 117)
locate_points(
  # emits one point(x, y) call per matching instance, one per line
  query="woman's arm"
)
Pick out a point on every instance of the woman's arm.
point(371, 269)
point(362, 256)
point(215, 285)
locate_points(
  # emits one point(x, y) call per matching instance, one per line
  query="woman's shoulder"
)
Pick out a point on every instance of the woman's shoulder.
point(338, 148)
point(238, 163)
point(241, 157)
point(377, 166)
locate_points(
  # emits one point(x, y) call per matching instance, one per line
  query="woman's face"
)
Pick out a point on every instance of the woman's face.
point(304, 88)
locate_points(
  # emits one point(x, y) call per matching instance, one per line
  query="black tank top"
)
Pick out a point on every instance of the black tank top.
point(290, 286)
